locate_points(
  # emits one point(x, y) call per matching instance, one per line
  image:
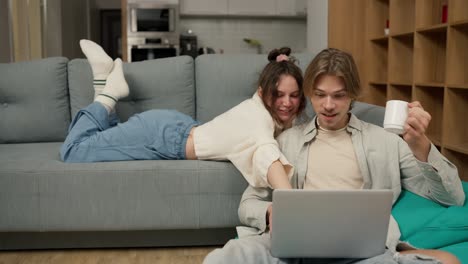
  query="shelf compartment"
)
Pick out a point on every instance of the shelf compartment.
point(377, 83)
point(458, 10)
point(459, 23)
point(403, 34)
point(429, 13)
point(430, 84)
point(380, 39)
point(378, 61)
point(455, 126)
point(399, 92)
point(430, 56)
point(402, 16)
point(457, 54)
point(457, 86)
point(433, 29)
point(401, 83)
point(401, 59)
point(378, 14)
point(377, 93)
point(459, 159)
point(432, 100)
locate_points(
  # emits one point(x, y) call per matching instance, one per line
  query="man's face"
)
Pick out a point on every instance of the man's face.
point(331, 102)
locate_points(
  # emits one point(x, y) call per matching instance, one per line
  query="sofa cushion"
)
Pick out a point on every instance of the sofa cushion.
point(166, 83)
point(224, 81)
point(373, 114)
point(34, 104)
point(460, 250)
point(45, 194)
point(426, 224)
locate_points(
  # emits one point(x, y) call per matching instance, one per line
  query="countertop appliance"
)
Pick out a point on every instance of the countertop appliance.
point(189, 44)
point(152, 29)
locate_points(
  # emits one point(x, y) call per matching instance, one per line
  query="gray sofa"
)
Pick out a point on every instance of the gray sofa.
point(45, 203)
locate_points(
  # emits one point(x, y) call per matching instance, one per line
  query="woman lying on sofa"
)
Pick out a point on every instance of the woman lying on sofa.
point(244, 135)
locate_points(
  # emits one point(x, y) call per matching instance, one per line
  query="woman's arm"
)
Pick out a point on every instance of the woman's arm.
point(277, 177)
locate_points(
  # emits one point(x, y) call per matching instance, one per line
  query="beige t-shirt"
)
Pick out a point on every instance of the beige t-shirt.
point(245, 135)
point(332, 163)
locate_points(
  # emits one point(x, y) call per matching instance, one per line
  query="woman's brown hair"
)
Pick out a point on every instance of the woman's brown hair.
point(271, 75)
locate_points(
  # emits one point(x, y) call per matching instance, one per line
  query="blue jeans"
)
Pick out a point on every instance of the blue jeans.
point(95, 136)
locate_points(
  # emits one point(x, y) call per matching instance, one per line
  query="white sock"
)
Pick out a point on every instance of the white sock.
point(116, 87)
point(101, 64)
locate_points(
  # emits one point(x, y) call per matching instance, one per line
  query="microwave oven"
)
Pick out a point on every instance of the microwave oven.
point(152, 19)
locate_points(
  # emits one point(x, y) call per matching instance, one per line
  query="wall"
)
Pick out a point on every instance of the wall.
point(107, 4)
point(227, 34)
point(75, 17)
point(4, 33)
point(53, 29)
point(317, 25)
point(26, 30)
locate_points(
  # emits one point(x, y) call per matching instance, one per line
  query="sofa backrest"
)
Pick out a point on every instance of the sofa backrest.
point(166, 83)
point(223, 81)
point(34, 101)
point(39, 98)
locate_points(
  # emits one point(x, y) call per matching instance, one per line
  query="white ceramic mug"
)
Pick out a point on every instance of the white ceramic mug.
point(396, 113)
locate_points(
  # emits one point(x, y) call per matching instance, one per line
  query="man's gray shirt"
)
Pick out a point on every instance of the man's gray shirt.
point(385, 162)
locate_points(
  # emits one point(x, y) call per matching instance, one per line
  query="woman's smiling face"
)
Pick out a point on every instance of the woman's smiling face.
point(287, 103)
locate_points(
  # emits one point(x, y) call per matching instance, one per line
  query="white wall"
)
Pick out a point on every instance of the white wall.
point(317, 25)
point(227, 34)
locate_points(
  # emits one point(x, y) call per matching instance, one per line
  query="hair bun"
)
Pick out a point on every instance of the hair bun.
point(276, 52)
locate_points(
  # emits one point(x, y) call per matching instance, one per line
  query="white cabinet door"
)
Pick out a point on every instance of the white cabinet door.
point(291, 7)
point(252, 7)
point(286, 7)
point(301, 7)
point(203, 7)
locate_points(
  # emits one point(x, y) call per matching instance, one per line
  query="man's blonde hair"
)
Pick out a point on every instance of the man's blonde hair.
point(333, 62)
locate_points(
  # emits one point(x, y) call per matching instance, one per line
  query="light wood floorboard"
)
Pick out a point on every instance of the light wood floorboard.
point(180, 255)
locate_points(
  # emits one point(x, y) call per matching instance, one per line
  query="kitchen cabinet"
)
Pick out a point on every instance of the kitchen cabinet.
point(252, 7)
point(291, 7)
point(203, 7)
point(280, 8)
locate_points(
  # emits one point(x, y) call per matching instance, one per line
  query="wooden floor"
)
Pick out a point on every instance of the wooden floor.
point(118, 256)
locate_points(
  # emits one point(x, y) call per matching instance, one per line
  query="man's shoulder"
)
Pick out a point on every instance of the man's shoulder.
point(294, 132)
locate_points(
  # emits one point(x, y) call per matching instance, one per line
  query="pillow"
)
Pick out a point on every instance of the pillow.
point(426, 224)
point(166, 83)
point(34, 101)
point(460, 250)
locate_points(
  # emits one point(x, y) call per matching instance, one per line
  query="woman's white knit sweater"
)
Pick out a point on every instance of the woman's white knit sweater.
point(243, 135)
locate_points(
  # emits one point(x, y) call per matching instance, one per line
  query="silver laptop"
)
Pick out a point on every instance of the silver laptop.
point(330, 223)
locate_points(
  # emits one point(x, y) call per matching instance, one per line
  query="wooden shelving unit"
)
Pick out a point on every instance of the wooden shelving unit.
point(430, 56)
point(432, 98)
point(423, 56)
point(401, 59)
